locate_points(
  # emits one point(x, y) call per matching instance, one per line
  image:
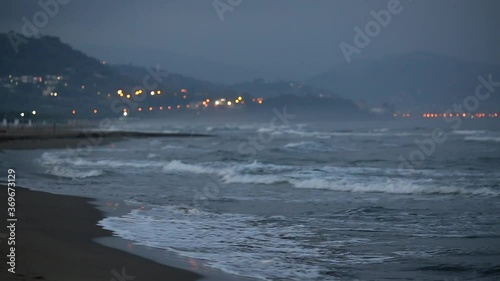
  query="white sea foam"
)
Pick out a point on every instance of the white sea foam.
point(178, 166)
point(58, 158)
point(172, 147)
point(329, 178)
point(346, 179)
point(468, 132)
point(153, 156)
point(171, 131)
point(286, 130)
point(234, 243)
point(391, 186)
point(306, 145)
point(483, 139)
point(65, 172)
point(229, 172)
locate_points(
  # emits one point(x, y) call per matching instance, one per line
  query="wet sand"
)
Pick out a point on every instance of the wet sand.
point(54, 241)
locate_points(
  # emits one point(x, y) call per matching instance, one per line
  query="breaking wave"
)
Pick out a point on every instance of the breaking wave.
point(483, 139)
point(65, 172)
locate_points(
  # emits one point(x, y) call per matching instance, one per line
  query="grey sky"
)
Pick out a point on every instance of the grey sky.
point(278, 35)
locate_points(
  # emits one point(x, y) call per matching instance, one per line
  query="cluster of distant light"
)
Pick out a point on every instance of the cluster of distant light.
point(24, 114)
point(222, 102)
point(140, 92)
point(450, 115)
point(31, 79)
point(47, 83)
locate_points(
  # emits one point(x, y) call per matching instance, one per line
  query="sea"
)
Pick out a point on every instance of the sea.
point(359, 200)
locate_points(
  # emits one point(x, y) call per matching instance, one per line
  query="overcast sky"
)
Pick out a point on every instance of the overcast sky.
point(279, 33)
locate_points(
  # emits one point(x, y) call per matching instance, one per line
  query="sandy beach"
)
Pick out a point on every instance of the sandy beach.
point(54, 236)
point(54, 233)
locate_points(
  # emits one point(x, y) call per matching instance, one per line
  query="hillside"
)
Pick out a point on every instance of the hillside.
point(58, 82)
point(49, 74)
point(301, 98)
point(183, 64)
point(412, 81)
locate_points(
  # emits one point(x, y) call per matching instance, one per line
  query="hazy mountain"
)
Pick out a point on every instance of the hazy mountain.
point(54, 79)
point(43, 56)
point(410, 81)
point(43, 66)
point(262, 88)
point(170, 82)
point(301, 99)
point(183, 64)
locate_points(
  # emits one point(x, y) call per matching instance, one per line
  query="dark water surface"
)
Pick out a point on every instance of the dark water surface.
point(299, 202)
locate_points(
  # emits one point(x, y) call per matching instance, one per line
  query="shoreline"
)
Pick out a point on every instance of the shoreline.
point(56, 240)
point(33, 139)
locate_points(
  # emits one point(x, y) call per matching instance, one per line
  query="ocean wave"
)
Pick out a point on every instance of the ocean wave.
point(483, 139)
point(233, 127)
point(307, 145)
point(278, 131)
point(171, 131)
point(347, 179)
point(392, 187)
point(65, 172)
point(381, 130)
point(225, 170)
point(56, 158)
point(222, 240)
point(179, 166)
point(468, 132)
point(171, 147)
point(254, 179)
